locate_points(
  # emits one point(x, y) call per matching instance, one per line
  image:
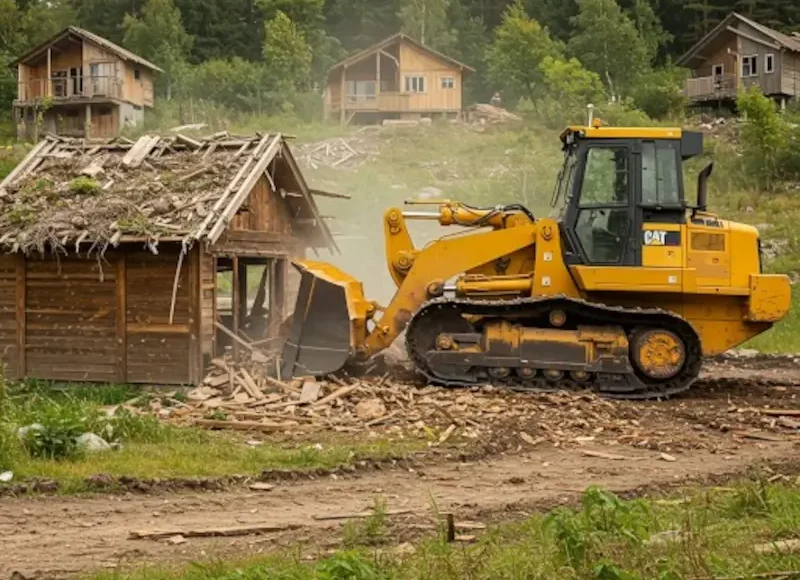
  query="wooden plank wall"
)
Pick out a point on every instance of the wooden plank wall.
point(8, 314)
point(81, 319)
point(263, 212)
point(208, 302)
point(157, 351)
point(70, 319)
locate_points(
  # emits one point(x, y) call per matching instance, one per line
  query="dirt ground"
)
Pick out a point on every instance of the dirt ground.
point(718, 430)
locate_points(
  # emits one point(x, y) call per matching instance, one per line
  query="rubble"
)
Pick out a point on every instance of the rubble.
point(482, 113)
point(339, 152)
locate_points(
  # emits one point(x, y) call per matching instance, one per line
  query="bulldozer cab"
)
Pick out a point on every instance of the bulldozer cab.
point(615, 184)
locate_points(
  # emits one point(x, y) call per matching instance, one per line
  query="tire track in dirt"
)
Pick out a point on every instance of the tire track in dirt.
point(51, 537)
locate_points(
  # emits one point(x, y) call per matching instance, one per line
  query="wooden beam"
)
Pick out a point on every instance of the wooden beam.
point(323, 193)
point(195, 314)
point(122, 318)
point(277, 295)
point(87, 123)
point(343, 97)
point(378, 74)
point(242, 291)
point(235, 304)
point(49, 82)
point(21, 319)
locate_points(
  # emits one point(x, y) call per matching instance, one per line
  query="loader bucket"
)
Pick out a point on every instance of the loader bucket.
point(329, 320)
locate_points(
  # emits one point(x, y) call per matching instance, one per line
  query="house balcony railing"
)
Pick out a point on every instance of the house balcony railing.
point(710, 88)
point(66, 88)
point(385, 101)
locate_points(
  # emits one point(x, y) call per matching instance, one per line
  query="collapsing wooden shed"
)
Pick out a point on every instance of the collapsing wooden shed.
point(137, 262)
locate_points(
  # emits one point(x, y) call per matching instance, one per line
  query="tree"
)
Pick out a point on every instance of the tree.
point(361, 23)
point(765, 136)
point(427, 21)
point(104, 17)
point(606, 41)
point(567, 82)
point(223, 29)
point(649, 27)
point(556, 14)
point(287, 55)
point(160, 37)
point(309, 18)
point(472, 43)
point(520, 45)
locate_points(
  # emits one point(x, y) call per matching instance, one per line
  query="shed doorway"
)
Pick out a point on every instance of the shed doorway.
point(250, 304)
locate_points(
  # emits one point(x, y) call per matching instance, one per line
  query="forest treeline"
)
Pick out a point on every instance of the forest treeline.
point(271, 56)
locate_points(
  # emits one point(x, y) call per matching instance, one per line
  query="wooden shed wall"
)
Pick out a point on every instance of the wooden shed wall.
point(80, 319)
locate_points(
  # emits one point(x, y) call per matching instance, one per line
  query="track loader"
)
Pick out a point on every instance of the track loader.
point(623, 293)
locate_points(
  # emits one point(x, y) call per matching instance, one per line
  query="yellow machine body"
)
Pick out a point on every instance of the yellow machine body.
point(702, 271)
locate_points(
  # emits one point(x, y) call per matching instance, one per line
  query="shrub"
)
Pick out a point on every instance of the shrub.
point(84, 186)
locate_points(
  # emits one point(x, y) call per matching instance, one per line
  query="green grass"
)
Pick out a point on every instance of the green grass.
point(702, 533)
point(149, 448)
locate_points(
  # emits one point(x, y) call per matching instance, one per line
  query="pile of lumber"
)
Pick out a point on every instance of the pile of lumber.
point(483, 113)
point(339, 152)
point(244, 398)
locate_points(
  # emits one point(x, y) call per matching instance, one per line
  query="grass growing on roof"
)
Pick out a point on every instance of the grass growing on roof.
point(148, 447)
point(703, 533)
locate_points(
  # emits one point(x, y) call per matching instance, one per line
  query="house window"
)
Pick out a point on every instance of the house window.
point(769, 63)
point(415, 84)
point(137, 74)
point(448, 82)
point(750, 66)
point(718, 70)
point(360, 91)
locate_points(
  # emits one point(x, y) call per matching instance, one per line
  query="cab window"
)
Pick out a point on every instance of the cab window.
point(660, 174)
point(603, 217)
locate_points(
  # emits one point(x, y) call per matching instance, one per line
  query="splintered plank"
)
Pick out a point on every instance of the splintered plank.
point(211, 532)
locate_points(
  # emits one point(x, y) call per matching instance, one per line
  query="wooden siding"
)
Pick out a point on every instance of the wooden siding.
point(208, 302)
point(435, 98)
point(263, 211)
point(157, 351)
point(137, 91)
point(790, 73)
point(8, 314)
point(80, 319)
point(70, 319)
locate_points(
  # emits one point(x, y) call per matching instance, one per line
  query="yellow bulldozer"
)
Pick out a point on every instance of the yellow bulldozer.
point(623, 292)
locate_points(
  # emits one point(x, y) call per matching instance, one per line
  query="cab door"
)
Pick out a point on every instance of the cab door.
point(600, 217)
point(660, 213)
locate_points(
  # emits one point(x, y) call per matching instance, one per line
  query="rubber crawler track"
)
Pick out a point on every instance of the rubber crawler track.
point(626, 386)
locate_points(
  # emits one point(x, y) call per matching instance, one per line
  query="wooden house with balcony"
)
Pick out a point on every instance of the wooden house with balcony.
point(397, 78)
point(737, 54)
point(79, 84)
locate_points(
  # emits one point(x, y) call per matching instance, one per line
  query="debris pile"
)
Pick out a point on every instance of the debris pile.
point(482, 113)
point(246, 399)
point(340, 152)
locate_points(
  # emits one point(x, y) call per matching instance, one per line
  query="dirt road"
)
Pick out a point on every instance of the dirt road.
point(717, 431)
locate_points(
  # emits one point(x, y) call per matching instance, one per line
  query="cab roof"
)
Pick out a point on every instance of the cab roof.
point(605, 132)
point(691, 142)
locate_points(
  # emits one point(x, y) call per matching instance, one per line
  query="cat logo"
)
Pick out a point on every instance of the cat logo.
point(655, 238)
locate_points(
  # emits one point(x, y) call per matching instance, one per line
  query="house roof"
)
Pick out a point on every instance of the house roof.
point(396, 38)
point(123, 53)
point(727, 24)
point(104, 192)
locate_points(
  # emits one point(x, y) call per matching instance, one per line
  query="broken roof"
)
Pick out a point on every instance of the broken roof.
point(123, 53)
point(399, 37)
point(157, 188)
point(726, 25)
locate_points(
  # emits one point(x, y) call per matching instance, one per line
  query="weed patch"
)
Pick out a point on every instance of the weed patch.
point(704, 533)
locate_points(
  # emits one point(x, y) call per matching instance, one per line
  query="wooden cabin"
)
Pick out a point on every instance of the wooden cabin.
point(139, 262)
point(397, 78)
point(737, 54)
point(82, 85)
